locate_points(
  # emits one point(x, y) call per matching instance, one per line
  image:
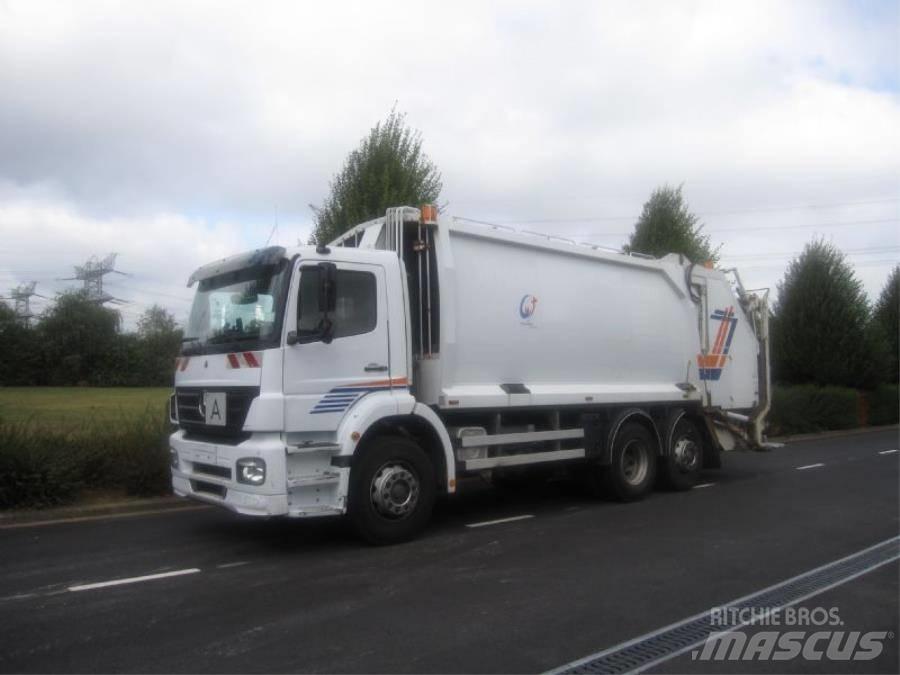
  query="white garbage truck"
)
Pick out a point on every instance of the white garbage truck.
point(366, 377)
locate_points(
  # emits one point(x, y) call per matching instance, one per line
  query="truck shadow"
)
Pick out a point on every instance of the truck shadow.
point(476, 501)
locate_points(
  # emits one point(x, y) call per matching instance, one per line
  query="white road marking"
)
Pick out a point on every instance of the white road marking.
point(809, 466)
point(225, 566)
point(105, 516)
point(499, 520)
point(703, 485)
point(888, 452)
point(133, 580)
point(814, 592)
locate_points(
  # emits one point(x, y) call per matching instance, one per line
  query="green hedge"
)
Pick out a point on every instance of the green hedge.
point(808, 408)
point(41, 466)
point(884, 404)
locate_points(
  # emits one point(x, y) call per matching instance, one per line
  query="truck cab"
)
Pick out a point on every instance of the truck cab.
point(279, 347)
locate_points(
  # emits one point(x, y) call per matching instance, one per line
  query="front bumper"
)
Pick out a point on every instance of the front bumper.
point(297, 484)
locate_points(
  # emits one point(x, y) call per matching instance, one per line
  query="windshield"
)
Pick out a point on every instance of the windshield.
point(240, 310)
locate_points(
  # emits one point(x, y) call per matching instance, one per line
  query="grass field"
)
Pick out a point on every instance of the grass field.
point(66, 407)
point(62, 444)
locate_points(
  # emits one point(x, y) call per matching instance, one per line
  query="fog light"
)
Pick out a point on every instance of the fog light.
point(251, 470)
point(173, 458)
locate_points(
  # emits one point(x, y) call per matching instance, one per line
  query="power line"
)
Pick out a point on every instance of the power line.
point(756, 209)
point(113, 284)
point(134, 289)
point(757, 228)
point(800, 226)
point(849, 251)
point(864, 263)
point(752, 228)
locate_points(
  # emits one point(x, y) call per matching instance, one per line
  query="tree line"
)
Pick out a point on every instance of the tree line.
point(79, 342)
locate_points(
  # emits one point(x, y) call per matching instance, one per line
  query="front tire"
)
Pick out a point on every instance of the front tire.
point(632, 472)
point(392, 491)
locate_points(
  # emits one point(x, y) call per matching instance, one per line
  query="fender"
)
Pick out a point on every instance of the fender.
point(367, 411)
point(396, 404)
point(671, 423)
point(431, 418)
point(617, 423)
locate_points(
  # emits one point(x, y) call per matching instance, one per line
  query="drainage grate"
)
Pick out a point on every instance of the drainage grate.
point(666, 643)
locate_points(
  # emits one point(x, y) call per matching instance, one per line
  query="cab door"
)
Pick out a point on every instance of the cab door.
point(323, 380)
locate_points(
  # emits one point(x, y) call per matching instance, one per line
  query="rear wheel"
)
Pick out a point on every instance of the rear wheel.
point(392, 491)
point(632, 472)
point(684, 457)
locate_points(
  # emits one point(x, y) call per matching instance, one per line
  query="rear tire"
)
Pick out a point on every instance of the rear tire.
point(392, 491)
point(680, 469)
point(632, 472)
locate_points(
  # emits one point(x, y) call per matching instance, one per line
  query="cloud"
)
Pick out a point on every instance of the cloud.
point(181, 130)
point(44, 238)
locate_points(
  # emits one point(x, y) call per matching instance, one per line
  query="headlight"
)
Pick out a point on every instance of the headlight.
point(251, 470)
point(173, 458)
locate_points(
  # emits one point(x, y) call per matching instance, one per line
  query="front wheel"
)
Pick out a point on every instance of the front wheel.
point(392, 491)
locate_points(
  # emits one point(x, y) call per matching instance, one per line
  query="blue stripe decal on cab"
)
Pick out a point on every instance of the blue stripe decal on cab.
point(340, 399)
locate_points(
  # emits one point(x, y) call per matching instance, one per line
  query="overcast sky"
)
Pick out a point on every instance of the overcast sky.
point(177, 133)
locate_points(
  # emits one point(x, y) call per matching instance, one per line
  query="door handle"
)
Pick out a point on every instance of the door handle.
point(375, 368)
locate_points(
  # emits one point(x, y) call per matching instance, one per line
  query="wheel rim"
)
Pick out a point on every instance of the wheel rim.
point(635, 462)
point(686, 453)
point(394, 490)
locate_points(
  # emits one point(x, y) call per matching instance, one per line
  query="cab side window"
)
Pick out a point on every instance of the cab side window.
point(356, 308)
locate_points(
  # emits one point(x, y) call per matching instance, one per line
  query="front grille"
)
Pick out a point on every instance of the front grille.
point(209, 488)
point(237, 405)
point(212, 470)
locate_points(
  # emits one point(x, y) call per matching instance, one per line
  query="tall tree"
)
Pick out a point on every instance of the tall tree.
point(387, 169)
point(819, 328)
point(156, 320)
point(159, 341)
point(21, 360)
point(78, 336)
point(667, 225)
point(886, 321)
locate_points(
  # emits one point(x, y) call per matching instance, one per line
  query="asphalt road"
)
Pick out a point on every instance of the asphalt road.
point(527, 595)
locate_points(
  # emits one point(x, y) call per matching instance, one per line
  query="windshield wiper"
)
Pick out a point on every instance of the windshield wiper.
point(190, 339)
point(219, 339)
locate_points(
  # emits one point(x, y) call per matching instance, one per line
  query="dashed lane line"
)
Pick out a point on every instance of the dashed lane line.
point(104, 516)
point(499, 521)
point(809, 466)
point(133, 580)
